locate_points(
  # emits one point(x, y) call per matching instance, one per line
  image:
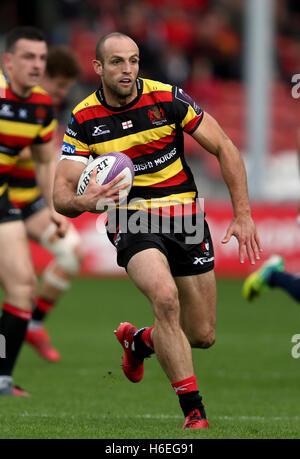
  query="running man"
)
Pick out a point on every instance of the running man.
point(146, 119)
point(62, 70)
point(272, 273)
point(26, 118)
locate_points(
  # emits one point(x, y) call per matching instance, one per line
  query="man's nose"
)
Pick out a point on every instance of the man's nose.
point(127, 67)
point(38, 62)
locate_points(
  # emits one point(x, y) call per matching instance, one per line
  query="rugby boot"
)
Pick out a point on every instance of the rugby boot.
point(14, 391)
point(41, 342)
point(133, 367)
point(195, 421)
point(257, 281)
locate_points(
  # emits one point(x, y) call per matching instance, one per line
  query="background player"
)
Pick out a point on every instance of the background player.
point(272, 273)
point(61, 71)
point(182, 293)
point(26, 119)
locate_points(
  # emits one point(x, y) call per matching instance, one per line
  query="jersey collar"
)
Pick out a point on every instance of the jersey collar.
point(101, 98)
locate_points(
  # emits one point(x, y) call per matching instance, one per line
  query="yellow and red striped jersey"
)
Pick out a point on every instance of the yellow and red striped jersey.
point(22, 186)
point(23, 122)
point(149, 130)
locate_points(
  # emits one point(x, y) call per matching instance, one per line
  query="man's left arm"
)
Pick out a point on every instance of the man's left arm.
point(210, 136)
point(43, 155)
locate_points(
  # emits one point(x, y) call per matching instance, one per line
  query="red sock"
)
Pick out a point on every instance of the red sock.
point(17, 312)
point(146, 337)
point(42, 308)
point(44, 305)
point(185, 385)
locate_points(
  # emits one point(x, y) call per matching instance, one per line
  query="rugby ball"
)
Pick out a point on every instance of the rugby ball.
point(109, 166)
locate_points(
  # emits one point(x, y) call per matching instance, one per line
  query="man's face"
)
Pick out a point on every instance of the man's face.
point(57, 87)
point(120, 67)
point(27, 62)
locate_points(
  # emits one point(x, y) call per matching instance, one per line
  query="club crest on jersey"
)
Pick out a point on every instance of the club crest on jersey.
point(156, 115)
point(40, 114)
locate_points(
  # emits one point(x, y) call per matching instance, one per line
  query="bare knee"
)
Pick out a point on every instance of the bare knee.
point(166, 306)
point(22, 291)
point(202, 338)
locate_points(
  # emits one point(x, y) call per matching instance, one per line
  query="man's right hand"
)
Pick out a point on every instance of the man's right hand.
point(101, 197)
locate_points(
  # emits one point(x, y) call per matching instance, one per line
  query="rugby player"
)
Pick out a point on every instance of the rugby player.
point(61, 71)
point(146, 119)
point(272, 273)
point(26, 118)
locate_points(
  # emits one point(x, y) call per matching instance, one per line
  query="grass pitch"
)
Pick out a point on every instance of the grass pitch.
point(249, 379)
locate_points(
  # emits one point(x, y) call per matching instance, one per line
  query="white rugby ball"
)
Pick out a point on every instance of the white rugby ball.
point(109, 166)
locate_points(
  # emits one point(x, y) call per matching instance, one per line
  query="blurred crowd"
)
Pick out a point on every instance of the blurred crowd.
point(181, 41)
point(196, 44)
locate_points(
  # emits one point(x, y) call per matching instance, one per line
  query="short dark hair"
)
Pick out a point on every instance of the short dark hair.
point(102, 40)
point(27, 32)
point(61, 61)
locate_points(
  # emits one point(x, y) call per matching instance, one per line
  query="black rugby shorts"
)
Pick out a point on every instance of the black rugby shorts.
point(8, 213)
point(33, 207)
point(184, 257)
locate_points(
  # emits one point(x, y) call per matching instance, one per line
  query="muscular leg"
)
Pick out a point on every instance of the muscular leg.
point(19, 284)
point(16, 270)
point(150, 271)
point(58, 275)
point(56, 278)
point(286, 281)
point(198, 297)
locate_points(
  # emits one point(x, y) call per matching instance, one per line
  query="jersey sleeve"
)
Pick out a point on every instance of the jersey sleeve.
point(187, 113)
point(48, 127)
point(75, 144)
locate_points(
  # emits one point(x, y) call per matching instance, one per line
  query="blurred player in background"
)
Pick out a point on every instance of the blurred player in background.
point(272, 273)
point(146, 119)
point(61, 71)
point(26, 118)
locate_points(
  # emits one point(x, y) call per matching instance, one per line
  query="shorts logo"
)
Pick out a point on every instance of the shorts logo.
point(202, 260)
point(67, 148)
point(117, 239)
point(205, 247)
point(14, 211)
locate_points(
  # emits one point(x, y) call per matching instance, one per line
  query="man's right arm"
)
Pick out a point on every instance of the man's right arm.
point(65, 198)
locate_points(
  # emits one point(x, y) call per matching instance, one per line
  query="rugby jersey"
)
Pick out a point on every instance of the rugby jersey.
point(149, 130)
point(22, 186)
point(23, 121)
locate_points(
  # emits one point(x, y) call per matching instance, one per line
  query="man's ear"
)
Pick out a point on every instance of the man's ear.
point(97, 67)
point(6, 60)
